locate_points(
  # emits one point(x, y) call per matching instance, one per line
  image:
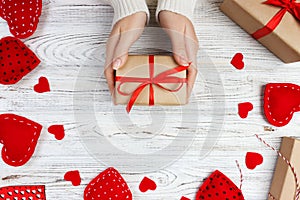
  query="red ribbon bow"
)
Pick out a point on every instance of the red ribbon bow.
point(157, 80)
point(290, 6)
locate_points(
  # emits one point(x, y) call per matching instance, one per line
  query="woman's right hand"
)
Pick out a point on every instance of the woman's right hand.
point(124, 33)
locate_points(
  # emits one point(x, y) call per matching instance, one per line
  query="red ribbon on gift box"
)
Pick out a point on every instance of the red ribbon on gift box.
point(290, 6)
point(164, 77)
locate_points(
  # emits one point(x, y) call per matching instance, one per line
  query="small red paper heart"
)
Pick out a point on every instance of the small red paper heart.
point(33, 192)
point(244, 109)
point(147, 184)
point(42, 86)
point(253, 160)
point(184, 198)
point(237, 61)
point(16, 60)
point(74, 177)
point(19, 137)
point(58, 131)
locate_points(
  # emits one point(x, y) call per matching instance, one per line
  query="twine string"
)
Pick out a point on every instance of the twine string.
point(288, 163)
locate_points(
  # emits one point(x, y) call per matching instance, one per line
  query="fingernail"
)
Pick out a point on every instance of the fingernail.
point(184, 62)
point(117, 64)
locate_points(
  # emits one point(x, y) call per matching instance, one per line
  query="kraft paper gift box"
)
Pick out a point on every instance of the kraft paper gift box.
point(283, 185)
point(260, 17)
point(151, 80)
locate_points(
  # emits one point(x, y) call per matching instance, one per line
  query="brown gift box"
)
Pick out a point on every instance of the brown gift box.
point(138, 66)
point(253, 15)
point(283, 184)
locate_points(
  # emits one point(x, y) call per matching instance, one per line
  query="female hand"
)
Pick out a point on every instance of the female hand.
point(184, 42)
point(124, 33)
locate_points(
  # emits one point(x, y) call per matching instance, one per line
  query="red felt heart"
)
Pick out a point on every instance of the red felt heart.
point(244, 109)
point(33, 192)
point(253, 160)
point(237, 61)
point(73, 176)
point(58, 131)
point(42, 86)
point(22, 16)
point(16, 60)
point(219, 187)
point(147, 184)
point(184, 198)
point(108, 185)
point(19, 137)
point(281, 100)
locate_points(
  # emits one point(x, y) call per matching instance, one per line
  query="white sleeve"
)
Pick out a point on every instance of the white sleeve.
point(124, 8)
point(183, 7)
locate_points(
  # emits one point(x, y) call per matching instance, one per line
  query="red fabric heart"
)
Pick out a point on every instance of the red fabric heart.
point(16, 60)
point(219, 187)
point(33, 192)
point(281, 100)
point(58, 131)
point(73, 176)
point(19, 137)
point(108, 185)
point(253, 160)
point(147, 184)
point(184, 198)
point(244, 109)
point(237, 61)
point(42, 86)
point(22, 16)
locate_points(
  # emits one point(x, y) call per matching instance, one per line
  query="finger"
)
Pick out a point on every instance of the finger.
point(192, 44)
point(192, 74)
point(178, 47)
point(110, 79)
point(125, 42)
point(111, 45)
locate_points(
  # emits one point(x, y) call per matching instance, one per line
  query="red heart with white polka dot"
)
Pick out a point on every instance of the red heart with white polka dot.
point(22, 16)
point(108, 185)
point(33, 192)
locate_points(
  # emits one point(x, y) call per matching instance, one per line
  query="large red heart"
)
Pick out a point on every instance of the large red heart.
point(219, 187)
point(19, 137)
point(237, 61)
point(147, 184)
point(253, 160)
point(108, 185)
point(281, 100)
point(16, 60)
point(22, 16)
point(33, 192)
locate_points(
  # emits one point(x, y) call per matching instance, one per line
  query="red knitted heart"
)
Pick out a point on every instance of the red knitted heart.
point(219, 187)
point(33, 192)
point(16, 60)
point(19, 137)
point(281, 100)
point(22, 16)
point(108, 185)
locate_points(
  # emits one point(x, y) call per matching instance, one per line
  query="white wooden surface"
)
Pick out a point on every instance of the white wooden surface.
point(68, 38)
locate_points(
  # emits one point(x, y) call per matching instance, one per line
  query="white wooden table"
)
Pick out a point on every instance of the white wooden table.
point(70, 42)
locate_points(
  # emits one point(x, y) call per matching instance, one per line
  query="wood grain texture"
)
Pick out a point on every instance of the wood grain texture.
point(71, 38)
